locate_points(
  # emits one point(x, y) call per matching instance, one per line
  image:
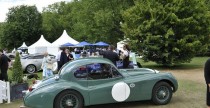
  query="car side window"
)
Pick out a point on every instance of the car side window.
point(38, 57)
point(99, 71)
point(115, 72)
point(81, 72)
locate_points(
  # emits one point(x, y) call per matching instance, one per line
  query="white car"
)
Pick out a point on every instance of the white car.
point(33, 62)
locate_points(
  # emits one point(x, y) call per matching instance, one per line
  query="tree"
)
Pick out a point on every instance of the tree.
point(168, 31)
point(1, 31)
point(53, 24)
point(17, 72)
point(100, 19)
point(23, 24)
point(90, 20)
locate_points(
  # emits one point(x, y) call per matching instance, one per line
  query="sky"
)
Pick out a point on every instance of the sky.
point(6, 4)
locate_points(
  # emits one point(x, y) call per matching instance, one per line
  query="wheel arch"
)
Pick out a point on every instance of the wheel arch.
point(167, 81)
point(68, 90)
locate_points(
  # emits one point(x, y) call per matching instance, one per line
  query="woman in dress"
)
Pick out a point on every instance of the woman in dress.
point(47, 66)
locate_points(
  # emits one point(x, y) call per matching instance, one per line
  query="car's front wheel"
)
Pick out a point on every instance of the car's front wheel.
point(68, 99)
point(31, 68)
point(161, 93)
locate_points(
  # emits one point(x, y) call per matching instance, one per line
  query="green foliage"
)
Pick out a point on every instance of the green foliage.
point(52, 25)
point(168, 31)
point(17, 72)
point(23, 24)
point(101, 19)
point(1, 31)
point(89, 20)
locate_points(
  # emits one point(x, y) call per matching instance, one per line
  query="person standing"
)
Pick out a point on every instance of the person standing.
point(47, 66)
point(69, 55)
point(4, 64)
point(111, 55)
point(207, 79)
point(63, 58)
point(58, 58)
point(125, 56)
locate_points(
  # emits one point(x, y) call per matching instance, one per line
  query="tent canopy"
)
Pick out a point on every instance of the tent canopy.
point(40, 43)
point(64, 38)
point(101, 44)
point(67, 44)
point(40, 46)
point(83, 43)
point(23, 46)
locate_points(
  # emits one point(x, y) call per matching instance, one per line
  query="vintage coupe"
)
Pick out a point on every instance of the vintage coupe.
point(91, 81)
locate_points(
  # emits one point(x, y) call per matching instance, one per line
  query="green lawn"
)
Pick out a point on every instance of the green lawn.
point(197, 62)
point(29, 80)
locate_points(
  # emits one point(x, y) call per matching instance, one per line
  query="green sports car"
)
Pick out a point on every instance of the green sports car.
point(91, 81)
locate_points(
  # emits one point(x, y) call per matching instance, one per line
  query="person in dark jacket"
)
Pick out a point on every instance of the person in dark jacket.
point(4, 64)
point(207, 79)
point(63, 58)
point(111, 55)
point(69, 55)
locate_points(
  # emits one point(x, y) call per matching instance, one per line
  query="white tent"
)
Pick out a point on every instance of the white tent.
point(23, 46)
point(14, 50)
point(40, 46)
point(64, 38)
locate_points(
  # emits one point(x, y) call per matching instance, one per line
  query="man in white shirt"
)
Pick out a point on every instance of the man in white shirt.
point(58, 58)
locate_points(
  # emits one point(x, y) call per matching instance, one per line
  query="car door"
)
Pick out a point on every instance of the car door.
point(37, 60)
point(100, 83)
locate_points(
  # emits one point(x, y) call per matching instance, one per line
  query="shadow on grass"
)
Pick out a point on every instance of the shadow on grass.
point(123, 104)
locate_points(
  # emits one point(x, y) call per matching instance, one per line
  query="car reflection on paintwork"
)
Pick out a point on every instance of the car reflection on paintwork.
point(33, 62)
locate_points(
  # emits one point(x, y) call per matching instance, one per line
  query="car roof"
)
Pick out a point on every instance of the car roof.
point(88, 60)
point(85, 61)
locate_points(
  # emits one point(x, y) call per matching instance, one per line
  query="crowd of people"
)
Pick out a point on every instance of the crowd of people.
point(65, 55)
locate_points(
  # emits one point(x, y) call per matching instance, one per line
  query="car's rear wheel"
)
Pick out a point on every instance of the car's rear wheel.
point(68, 99)
point(31, 68)
point(162, 93)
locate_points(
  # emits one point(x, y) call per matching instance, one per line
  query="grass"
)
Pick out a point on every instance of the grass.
point(190, 93)
point(197, 62)
point(30, 81)
point(19, 102)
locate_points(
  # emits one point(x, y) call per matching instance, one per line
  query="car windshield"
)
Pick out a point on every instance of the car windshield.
point(62, 70)
point(25, 57)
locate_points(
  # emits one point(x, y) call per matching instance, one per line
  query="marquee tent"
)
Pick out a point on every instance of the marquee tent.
point(67, 44)
point(101, 44)
point(23, 46)
point(40, 46)
point(83, 43)
point(64, 38)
